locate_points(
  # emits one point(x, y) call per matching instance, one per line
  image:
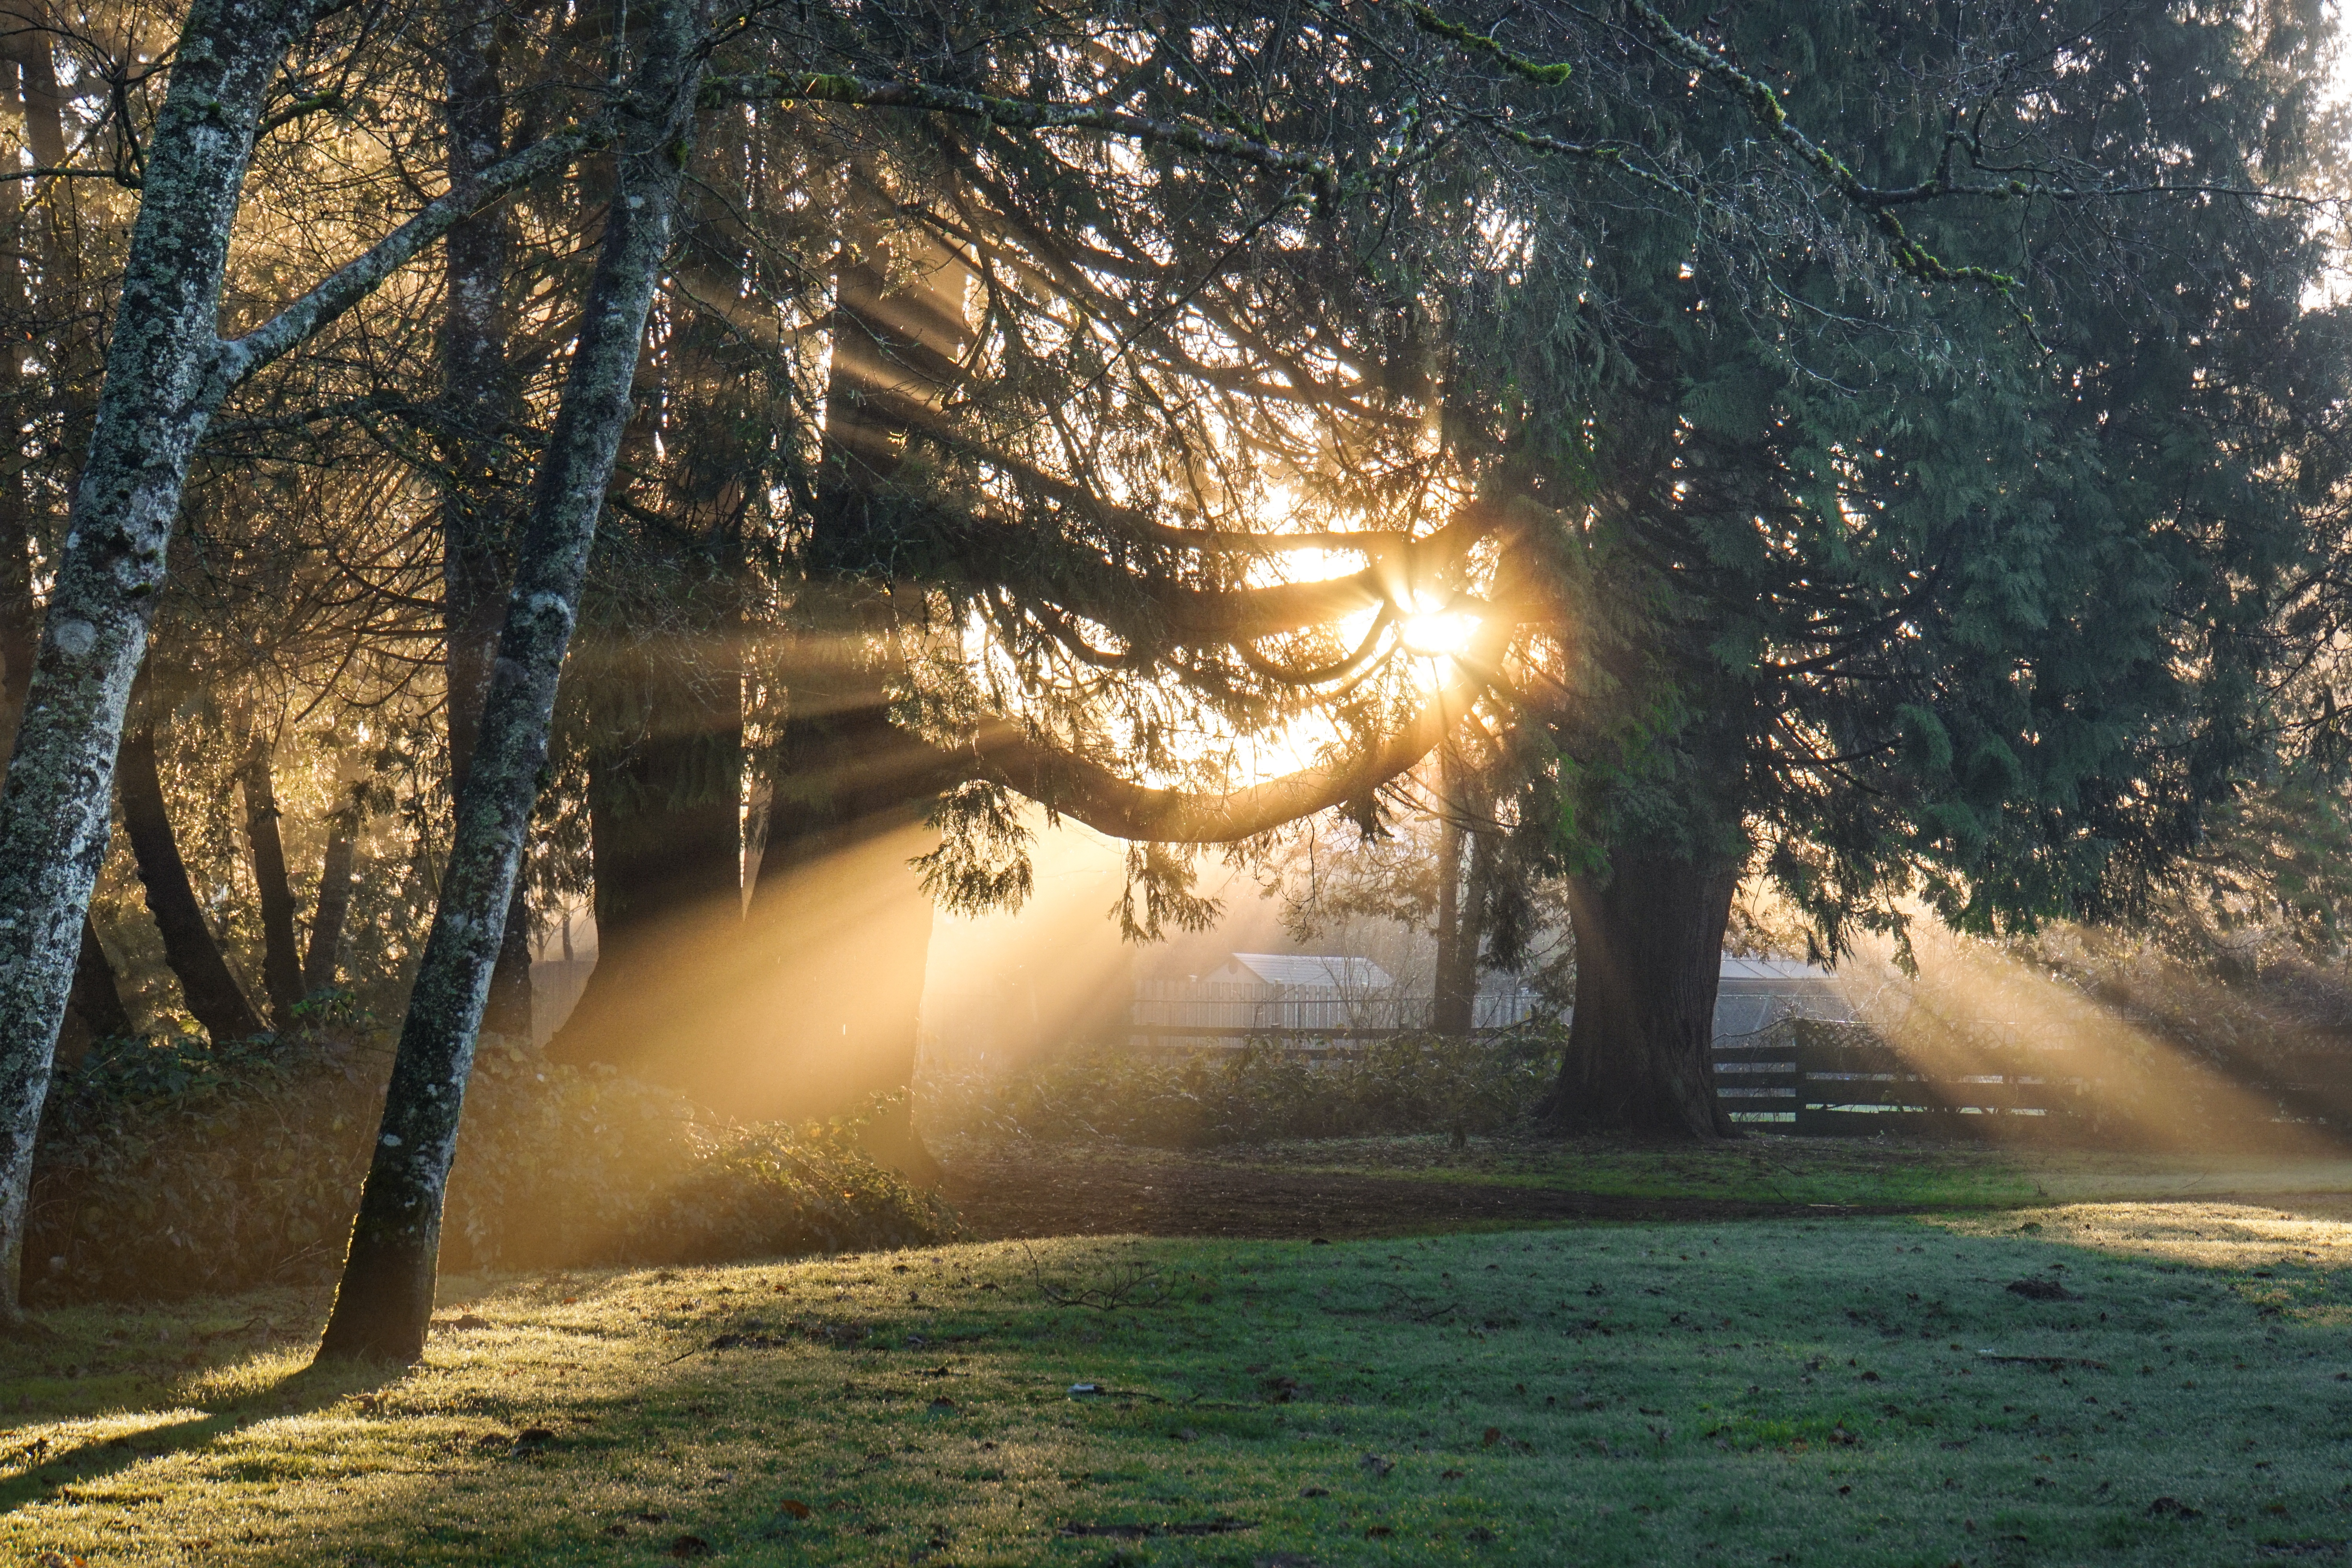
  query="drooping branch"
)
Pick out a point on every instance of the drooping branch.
point(1094, 794)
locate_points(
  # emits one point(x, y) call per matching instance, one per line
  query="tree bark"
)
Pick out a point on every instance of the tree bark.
point(166, 371)
point(318, 963)
point(385, 1297)
point(281, 964)
point(478, 404)
point(211, 991)
point(1649, 959)
point(665, 816)
point(162, 382)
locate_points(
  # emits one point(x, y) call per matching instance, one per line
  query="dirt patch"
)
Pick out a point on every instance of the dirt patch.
point(1148, 1193)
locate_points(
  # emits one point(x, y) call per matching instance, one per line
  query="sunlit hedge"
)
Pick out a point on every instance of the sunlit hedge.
point(1410, 1083)
point(169, 1169)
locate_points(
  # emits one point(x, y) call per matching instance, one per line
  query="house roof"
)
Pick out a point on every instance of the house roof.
point(1331, 972)
point(1774, 969)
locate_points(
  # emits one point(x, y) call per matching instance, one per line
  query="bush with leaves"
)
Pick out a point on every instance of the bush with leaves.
point(1262, 1091)
point(174, 1168)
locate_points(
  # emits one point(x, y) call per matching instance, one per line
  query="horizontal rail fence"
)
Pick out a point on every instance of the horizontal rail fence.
point(1822, 1077)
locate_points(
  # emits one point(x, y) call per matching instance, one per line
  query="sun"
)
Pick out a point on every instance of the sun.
point(1434, 628)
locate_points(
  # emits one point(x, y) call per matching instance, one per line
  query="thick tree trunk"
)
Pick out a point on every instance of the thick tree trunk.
point(1649, 957)
point(282, 961)
point(385, 1297)
point(839, 928)
point(1461, 903)
point(211, 990)
point(664, 812)
point(319, 962)
point(95, 1002)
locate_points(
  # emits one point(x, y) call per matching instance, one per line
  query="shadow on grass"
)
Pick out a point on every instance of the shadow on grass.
point(299, 1393)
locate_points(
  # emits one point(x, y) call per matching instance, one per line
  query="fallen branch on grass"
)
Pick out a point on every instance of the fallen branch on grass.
point(1130, 1290)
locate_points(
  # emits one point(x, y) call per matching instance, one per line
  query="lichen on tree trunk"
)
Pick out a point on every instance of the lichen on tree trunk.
point(385, 1298)
point(167, 369)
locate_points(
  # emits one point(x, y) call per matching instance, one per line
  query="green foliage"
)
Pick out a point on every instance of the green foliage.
point(1410, 1083)
point(171, 1168)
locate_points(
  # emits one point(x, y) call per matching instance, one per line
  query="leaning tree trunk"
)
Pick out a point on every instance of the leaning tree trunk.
point(166, 371)
point(206, 982)
point(163, 380)
point(281, 960)
point(1649, 957)
point(385, 1298)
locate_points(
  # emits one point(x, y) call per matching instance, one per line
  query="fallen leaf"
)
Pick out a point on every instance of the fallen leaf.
point(796, 1507)
point(1493, 1436)
point(692, 1546)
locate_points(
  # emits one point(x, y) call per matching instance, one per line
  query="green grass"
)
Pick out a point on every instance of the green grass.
point(1787, 1392)
point(1894, 1172)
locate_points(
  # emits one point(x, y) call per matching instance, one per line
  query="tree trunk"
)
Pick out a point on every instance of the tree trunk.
point(477, 405)
point(385, 1297)
point(664, 813)
point(164, 378)
point(281, 964)
point(1649, 957)
point(166, 371)
point(839, 928)
point(1454, 992)
point(318, 963)
point(211, 991)
point(97, 996)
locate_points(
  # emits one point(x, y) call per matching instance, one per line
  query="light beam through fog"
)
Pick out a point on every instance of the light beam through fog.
point(1974, 1012)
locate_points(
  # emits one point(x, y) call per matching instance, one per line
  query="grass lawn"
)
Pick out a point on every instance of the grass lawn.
point(1894, 1171)
point(1782, 1392)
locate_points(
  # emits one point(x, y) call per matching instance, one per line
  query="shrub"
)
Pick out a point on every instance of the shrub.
point(1408, 1083)
point(174, 1168)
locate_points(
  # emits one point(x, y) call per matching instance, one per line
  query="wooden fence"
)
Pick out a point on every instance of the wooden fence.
point(1816, 1076)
